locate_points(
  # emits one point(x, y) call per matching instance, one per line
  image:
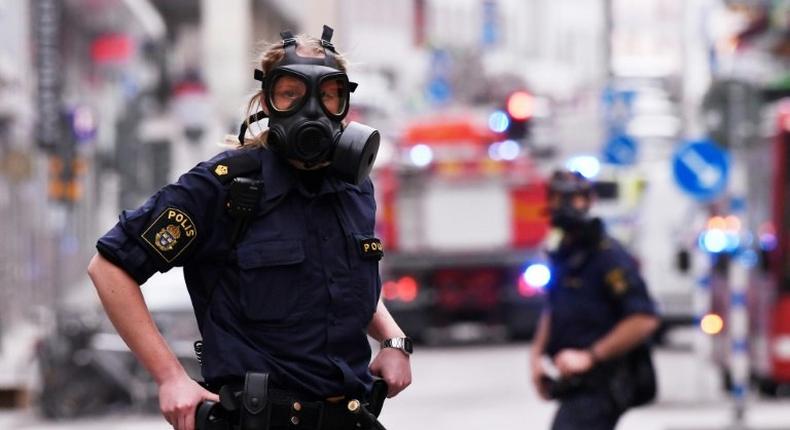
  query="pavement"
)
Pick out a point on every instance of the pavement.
point(487, 387)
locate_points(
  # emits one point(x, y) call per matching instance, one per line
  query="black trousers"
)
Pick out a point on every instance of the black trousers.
point(587, 410)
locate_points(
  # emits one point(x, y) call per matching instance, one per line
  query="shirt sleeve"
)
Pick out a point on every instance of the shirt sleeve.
point(168, 229)
point(625, 285)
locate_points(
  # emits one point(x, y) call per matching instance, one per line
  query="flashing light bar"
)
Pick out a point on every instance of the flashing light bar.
point(534, 279)
point(722, 234)
point(421, 155)
point(498, 121)
point(587, 165)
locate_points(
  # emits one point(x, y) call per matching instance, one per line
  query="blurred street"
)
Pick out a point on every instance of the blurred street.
point(673, 115)
point(484, 387)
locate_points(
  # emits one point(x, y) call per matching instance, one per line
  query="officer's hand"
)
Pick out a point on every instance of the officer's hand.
point(573, 361)
point(394, 367)
point(178, 399)
point(537, 379)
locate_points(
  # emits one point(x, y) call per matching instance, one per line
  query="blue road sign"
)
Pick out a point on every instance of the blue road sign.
point(438, 88)
point(701, 169)
point(439, 91)
point(490, 27)
point(620, 150)
point(618, 108)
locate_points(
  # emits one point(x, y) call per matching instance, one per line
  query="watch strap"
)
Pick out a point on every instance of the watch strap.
point(402, 343)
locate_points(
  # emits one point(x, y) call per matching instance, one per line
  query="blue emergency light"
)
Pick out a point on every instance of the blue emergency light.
point(587, 165)
point(498, 121)
point(537, 275)
point(421, 155)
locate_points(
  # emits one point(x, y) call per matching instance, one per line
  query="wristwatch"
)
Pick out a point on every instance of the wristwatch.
point(402, 343)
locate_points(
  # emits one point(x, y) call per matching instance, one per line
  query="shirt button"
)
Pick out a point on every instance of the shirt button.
point(325, 238)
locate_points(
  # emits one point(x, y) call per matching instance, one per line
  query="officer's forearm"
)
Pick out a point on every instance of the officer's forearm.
point(122, 300)
point(541, 336)
point(625, 336)
point(383, 326)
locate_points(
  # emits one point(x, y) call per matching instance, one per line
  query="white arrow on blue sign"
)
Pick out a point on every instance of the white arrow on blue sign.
point(701, 169)
point(620, 150)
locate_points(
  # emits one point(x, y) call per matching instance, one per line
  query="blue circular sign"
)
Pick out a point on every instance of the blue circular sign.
point(701, 169)
point(439, 90)
point(621, 150)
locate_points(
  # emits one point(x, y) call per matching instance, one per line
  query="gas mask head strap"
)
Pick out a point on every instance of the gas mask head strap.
point(291, 57)
point(245, 124)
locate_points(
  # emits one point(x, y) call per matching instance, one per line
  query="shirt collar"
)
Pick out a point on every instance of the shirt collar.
point(280, 178)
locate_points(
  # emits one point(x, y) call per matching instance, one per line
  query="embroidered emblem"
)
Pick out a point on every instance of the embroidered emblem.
point(221, 170)
point(616, 280)
point(167, 238)
point(170, 233)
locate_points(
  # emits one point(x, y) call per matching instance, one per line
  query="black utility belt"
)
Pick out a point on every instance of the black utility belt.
point(255, 406)
point(295, 414)
point(287, 409)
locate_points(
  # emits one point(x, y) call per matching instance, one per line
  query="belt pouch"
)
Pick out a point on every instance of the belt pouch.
point(256, 409)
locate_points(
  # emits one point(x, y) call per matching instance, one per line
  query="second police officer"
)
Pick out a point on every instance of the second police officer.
point(280, 260)
point(596, 321)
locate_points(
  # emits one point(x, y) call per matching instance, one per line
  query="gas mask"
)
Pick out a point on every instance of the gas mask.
point(567, 217)
point(307, 99)
point(565, 187)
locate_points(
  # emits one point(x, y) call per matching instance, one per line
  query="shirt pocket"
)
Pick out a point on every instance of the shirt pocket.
point(271, 281)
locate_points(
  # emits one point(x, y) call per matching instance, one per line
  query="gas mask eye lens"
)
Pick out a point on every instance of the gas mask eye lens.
point(334, 95)
point(287, 92)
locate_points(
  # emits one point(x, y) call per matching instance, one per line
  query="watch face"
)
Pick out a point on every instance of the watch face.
point(407, 345)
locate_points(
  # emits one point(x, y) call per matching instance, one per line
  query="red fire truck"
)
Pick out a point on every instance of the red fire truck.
point(461, 215)
point(770, 295)
point(767, 236)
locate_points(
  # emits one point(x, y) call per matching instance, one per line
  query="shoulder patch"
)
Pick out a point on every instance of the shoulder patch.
point(615, 279)
point(232, 167)
point(170, 233)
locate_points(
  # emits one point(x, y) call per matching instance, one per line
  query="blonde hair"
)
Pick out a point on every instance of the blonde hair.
point(272, 54)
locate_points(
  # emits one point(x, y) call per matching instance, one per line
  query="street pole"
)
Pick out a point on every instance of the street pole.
point(739, 272)
point(608, 30)
point(739, 344)
point(702, 340)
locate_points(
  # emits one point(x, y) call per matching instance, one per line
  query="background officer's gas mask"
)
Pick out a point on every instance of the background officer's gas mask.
point(307, 99)
point(570, 196)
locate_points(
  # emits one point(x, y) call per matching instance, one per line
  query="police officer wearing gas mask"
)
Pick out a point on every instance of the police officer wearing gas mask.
point(280, 259)
point(589, 349)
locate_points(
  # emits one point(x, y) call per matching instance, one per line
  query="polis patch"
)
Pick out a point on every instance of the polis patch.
point(370, 248)
point(616, 280)
point(170, 234)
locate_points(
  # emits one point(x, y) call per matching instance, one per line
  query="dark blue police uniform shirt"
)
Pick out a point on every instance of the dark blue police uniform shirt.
point(295, 296)
point(595, 284)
